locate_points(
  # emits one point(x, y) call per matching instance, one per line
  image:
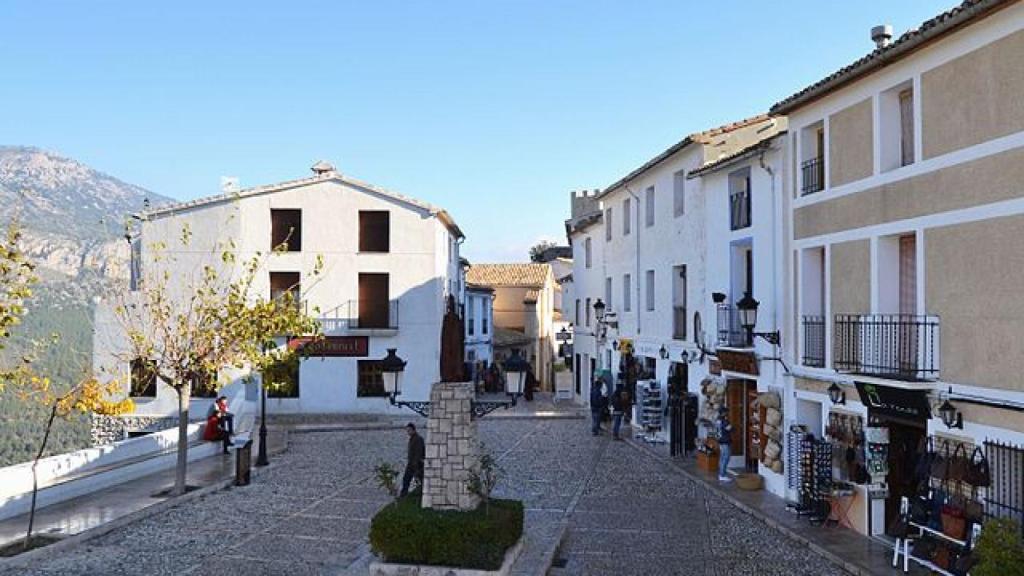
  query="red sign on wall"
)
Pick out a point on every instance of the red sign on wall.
point(335, 346)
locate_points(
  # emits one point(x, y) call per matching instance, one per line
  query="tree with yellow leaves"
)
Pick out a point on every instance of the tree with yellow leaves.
point(198, 312)
point(17, 276)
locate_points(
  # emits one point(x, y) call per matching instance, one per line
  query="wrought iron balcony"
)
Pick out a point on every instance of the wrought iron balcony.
point(730, 333)
point(813, 171)
point(894, 346)
point(813, 350)
point(361, 315)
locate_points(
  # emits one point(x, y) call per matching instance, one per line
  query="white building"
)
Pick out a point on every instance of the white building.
point(744, 254)
point(389, 264)
point(479, 320)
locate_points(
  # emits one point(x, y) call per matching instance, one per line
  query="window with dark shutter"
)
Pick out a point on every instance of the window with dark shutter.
point(371, 379)
point(286, 230)
point(374, 231)
point(282, 282)
point(143, 383)
point(373, 301)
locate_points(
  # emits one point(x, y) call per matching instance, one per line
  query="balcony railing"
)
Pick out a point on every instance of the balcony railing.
point(730, 333)
point(813, 351)
point(679, 322)
point(813, 171)
point(895, 346)
point(361, 315)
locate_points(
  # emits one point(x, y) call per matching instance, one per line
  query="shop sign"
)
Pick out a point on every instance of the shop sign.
point(714, 366)
point(332, 346)
point(742, 362)
point(895, 401)
point(625, 346)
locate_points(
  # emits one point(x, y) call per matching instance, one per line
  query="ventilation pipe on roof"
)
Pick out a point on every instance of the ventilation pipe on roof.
point(882, 35)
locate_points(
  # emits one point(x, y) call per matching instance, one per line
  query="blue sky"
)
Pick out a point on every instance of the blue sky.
point(494, 110)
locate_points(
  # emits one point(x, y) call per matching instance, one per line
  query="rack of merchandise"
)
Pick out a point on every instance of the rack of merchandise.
point(814, 477)
point(651, 407)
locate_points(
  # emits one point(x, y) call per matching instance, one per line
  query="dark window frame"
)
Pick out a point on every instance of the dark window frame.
point(375, 232)
point(286, 228)
point(369, 379)
point(148, 389)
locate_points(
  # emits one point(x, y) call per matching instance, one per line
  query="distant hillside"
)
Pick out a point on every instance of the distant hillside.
point(73, 220)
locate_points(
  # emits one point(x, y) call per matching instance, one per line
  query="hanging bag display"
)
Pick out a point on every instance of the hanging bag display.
point(953, 523)
point(958, 464)
point(940, 463)
point(978, 473)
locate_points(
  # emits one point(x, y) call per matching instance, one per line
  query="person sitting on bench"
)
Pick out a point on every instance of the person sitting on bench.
point(220, 423)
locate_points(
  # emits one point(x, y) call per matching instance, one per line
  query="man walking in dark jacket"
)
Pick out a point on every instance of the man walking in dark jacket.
point(414, 461)
point(598, 403)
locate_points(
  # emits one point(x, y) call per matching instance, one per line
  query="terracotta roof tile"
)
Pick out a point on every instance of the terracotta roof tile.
point(532, 275)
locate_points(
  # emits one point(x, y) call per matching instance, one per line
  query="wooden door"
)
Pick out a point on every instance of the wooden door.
point(735, 397)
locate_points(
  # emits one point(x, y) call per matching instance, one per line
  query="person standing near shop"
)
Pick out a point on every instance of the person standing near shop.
point(597, 405)
point(620, 402)
point(724, 444)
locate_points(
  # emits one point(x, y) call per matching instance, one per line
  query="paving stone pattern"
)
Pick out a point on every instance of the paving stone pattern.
point(628, 513)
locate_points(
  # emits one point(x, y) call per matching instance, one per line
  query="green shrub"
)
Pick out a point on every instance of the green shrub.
point(404, 533)
point(999, 549)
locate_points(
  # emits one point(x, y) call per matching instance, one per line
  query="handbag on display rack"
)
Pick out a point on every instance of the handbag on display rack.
point(958, 464)
point(940, 463)
point(953, 523)
point(974, 510)
point(978, 473)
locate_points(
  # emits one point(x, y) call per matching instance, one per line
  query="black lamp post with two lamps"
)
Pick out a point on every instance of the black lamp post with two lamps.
point(392, 367)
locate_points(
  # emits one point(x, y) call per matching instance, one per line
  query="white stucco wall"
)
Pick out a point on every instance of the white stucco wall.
point(422, 264)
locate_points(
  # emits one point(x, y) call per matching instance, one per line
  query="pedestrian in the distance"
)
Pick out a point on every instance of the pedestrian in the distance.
point(597, 406)
point(724, 444)
point(414, 460)
point(620, 401)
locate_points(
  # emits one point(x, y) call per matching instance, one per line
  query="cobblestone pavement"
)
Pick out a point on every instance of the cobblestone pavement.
point(310, 514)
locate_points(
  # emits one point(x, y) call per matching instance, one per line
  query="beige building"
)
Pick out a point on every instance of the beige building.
point(905, 192)
point(524, 303)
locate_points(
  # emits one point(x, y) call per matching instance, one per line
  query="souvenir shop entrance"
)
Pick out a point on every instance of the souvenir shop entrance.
point(741, 394)
point(904, 413)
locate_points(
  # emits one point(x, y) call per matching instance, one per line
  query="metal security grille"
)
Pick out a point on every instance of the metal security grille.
point(814, 341)
point(1005, 497)
point(813, 171)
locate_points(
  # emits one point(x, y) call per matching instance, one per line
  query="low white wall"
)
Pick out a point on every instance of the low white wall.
point(67, 476)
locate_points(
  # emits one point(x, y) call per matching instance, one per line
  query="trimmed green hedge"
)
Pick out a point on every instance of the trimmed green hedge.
point(404, 533)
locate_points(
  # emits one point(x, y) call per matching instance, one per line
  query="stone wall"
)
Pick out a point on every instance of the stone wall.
point(452, 447)
point(109, 429)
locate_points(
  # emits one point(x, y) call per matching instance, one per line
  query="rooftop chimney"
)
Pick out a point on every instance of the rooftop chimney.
point(322, 168)
point(882, 35)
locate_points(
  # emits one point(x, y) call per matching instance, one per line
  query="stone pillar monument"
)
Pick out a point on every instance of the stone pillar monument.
point(452, 447)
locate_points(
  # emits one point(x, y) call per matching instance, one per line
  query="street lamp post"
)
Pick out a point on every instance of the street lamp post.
point(747, 309)
point(392, 367)
point(261, 457)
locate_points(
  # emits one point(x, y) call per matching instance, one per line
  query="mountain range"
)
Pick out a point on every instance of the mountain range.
point(73, 223)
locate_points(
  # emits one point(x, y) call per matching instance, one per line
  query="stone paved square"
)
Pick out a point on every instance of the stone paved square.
point(628, 513)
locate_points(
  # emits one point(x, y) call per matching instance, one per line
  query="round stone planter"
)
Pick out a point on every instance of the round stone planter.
point(386, 569)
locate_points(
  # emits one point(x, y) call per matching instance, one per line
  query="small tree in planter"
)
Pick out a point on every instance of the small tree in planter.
point(484, 478)
point(387, 478)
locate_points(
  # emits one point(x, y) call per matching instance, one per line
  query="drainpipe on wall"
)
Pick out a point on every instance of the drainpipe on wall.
point(636, 276)
point(775, 301)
